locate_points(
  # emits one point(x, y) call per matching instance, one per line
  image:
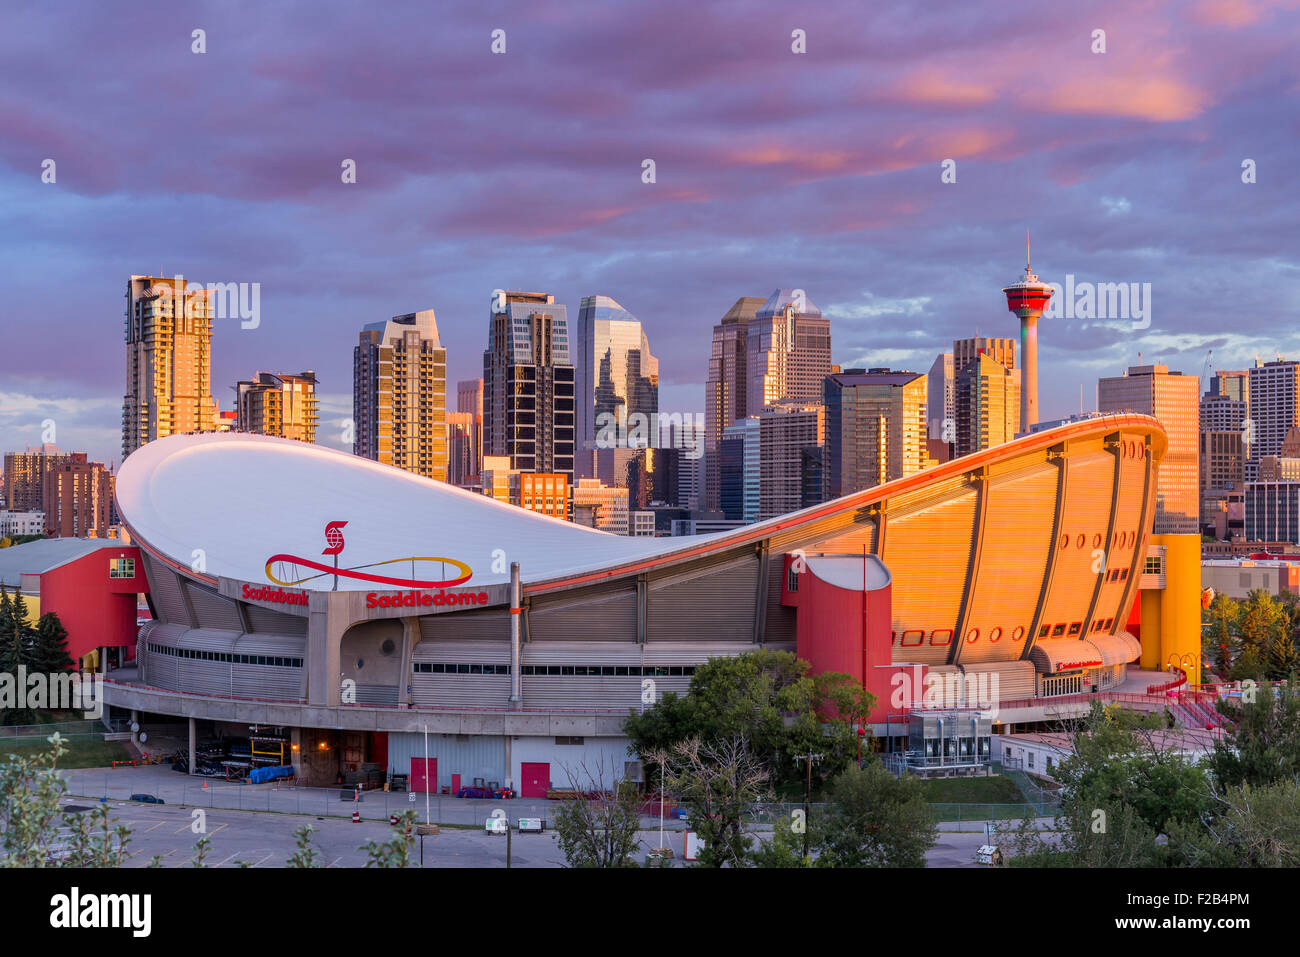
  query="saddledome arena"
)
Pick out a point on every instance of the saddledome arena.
point(356, 606)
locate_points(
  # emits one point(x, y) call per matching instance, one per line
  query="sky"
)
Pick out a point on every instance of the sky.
point(823, 170)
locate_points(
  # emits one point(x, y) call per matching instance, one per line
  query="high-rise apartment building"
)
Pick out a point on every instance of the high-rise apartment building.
point(967, 351)
point(727, 390)
point(1272, 410)
point(788, 351)
point(875, 428)
point(528, 385)
point(399, 394)
point(462, 463)
point(1174, 399)
point(617, 376)
point(78, 499)
point(465, 432)
point(786, 431)
point(278, 403)
point(24, 477)
point(987, 404)
point(941, 408)
point(168, 360)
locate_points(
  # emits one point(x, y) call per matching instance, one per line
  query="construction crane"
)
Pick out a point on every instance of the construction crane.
point(1207, 370)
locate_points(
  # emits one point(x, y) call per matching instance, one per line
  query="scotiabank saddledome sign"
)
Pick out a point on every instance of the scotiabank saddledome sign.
point(280, 565)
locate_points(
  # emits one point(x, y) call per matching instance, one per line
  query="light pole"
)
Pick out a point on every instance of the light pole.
point(810, 758)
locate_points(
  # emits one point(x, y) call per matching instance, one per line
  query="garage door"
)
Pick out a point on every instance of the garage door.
point(424, 775)
point(535, 780)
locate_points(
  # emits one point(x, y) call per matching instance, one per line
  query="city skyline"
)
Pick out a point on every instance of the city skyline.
point(1107, 148)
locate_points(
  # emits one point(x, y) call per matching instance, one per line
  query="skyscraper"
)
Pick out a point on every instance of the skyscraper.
point(1273, 410)
point(1223, 413)
point(940, 409)
point(617, 376)
point(788, 351)
point(738, 458)
point(727, 390)
point(168, 360)
point(1174, 399)
point(528, 385)
point(987, 404)
point(278, 403)
point(875, 428)
point(786, 431)
point(966, 351)
point(465, 429)
point(399, 394)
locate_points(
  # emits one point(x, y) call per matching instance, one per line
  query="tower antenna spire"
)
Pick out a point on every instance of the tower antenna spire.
point(1027, 249)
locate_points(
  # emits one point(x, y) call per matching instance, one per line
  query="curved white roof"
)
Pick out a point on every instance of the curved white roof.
point(234, 500)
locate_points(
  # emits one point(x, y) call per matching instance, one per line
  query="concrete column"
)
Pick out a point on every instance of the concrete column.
point(135, 720)
point(324, 635)
point(516, 677)
point(410, 638)
point(508, 778)
point(193, 746)
point(295, 751)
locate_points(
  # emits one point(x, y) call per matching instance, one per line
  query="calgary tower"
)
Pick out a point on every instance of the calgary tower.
point(1027, 299)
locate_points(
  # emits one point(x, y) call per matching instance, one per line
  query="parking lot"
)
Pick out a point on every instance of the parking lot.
point(254, 824)
point(241, 838)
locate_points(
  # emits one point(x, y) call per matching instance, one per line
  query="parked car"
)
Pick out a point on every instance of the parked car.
point(147, 799)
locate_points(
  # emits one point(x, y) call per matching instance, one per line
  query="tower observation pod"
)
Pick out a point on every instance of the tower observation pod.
point(1027, 299)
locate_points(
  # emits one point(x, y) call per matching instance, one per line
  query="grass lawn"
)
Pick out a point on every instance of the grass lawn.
point(82, 752)
point(983, 790)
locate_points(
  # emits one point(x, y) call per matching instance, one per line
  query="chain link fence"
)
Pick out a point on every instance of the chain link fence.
point(32, 734)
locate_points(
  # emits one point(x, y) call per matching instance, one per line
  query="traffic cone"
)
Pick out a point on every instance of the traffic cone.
point(205, 785)
point(356, 817)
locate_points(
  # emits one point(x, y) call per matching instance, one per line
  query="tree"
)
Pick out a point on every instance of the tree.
point(785, 849)
point(17, 637)
point(1219, 636)
point(876, 820)
point(1261, 825)
point(1263, 745)
point(599, 828)
point(35, 831)
point(1119, 761)
point(769, 699)
point(719, 782)
point(306, 856)
point(50, 645)
point(396, 851)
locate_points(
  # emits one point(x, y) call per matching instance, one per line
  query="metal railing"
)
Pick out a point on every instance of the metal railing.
point(454, 709)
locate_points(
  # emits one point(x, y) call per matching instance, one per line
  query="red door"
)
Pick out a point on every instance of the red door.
point(424, 778)
point(535, 780)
